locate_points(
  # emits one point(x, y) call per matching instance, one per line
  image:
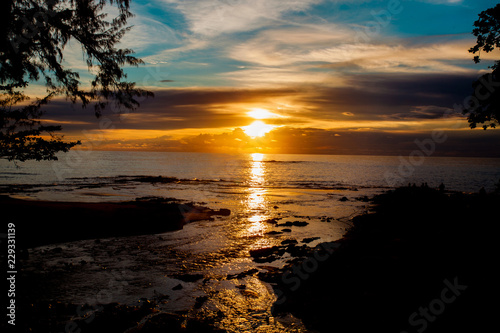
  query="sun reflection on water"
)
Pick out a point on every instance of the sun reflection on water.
point(256, 200)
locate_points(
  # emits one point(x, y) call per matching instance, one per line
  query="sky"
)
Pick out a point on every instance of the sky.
point(294, 76)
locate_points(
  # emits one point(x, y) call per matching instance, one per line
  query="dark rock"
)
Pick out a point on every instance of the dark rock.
point(270, 258)
point(286, 224)
point(299, 223)
point(309, 240)
point(394, 261)
point(272, 221)
point(200, 300)
point(177, 287)
point(289, 241)
point(242, 274)
point(188, 277)
point(262, 252)
point(222, 212)
point(286, 230)
point(343, 199)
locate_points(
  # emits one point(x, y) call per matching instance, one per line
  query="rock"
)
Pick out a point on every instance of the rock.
point(222, 212)
point(273, 232)
point(309, 240)
point(241, 286)
point(188, 277)
point(270, 258)
point(343, 199)
point(177, 287)
point(262, 252)
point(289, 241)
point(199, 301)
point(298, 251)
point(300, 223)
point(286, 230)
point(242, 274)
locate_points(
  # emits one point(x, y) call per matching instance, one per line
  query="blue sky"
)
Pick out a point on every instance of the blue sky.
point(207, 43)
point(349, 73)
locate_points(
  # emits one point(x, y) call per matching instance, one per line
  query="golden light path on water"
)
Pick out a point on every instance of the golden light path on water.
point(249, 309)
point(256, 199)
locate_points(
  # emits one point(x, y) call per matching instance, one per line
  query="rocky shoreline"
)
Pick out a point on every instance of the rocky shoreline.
point(422, 261)
point(49, 222)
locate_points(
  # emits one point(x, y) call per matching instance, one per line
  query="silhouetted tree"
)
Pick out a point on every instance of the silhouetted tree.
point(32, 40)
point(486, 108)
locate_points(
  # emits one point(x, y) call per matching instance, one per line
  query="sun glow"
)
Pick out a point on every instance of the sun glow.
point(258, 113)
point(257, 129)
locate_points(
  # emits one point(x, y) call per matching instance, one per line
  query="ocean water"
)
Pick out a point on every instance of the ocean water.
point(324, 191)
point(204, 172)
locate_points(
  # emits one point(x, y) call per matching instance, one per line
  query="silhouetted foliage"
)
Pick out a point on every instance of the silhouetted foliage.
point(487, 95)
point(33, 36)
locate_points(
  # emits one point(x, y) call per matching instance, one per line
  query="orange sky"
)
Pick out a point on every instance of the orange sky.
point(287, 76)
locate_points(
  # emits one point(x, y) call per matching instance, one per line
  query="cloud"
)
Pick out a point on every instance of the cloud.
point(337, 49)
point(175, 109)
point(375, 114)
point(378, 101)
point(149, 34)
point(321, 141)
point(426, 112)
point(211, 18)
point(291, 45)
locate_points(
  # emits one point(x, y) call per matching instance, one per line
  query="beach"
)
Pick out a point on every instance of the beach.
point(291, 243)
point(415, 243)
point(249, 166)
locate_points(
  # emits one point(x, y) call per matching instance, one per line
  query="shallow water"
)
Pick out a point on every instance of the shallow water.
point(254, 187)
point(147, 267)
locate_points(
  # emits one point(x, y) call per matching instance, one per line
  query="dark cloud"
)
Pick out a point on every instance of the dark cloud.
point(425, 113)
point(172, 109)
point(368, 98)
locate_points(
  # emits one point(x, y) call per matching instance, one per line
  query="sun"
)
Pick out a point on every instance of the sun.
point(258, 113)
point(257, 129)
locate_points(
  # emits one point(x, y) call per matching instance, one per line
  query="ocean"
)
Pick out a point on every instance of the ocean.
point(91, 175)
point(324, 191)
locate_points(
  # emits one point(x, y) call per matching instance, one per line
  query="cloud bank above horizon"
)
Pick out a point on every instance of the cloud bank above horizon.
point(348, 68)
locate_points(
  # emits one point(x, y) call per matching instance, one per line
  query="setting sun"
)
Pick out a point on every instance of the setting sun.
point(257, 129)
